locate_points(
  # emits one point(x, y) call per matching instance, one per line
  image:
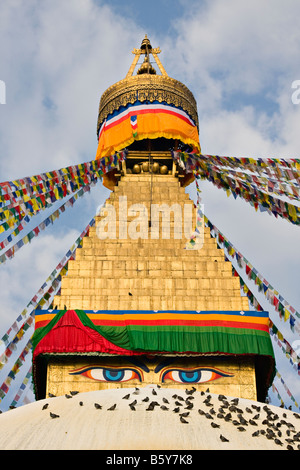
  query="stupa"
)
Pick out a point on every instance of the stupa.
point(137, 307)
point(146, 320)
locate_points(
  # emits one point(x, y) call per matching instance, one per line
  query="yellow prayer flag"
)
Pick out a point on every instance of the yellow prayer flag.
point(286, 314)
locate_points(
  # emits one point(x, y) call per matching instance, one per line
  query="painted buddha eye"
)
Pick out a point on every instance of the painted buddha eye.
point(199, 375)
point(109, 374)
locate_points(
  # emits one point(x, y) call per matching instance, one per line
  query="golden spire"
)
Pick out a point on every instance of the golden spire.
point(146, 66)
point(146, 86)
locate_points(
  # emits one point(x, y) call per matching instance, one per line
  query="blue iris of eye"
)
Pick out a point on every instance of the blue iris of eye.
point(114, 375)
point(189, 376)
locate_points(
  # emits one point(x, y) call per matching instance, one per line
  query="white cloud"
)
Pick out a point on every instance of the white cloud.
point(238, 58)
point(62, 57)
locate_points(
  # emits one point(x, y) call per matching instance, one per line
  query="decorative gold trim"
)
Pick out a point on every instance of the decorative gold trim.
point(150, 88)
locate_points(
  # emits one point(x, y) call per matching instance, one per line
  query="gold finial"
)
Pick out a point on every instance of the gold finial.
point(146, 67)
point(146, 44)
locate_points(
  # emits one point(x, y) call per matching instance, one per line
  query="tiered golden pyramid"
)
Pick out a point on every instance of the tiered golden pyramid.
point(147, 273)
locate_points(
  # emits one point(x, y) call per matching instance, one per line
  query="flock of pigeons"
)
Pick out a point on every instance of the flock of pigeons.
point(261, 418)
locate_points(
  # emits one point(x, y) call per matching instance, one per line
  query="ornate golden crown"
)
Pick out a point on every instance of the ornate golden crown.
point(146, 85)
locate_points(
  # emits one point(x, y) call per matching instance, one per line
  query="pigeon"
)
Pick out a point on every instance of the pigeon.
point(154, 403)
point(45, 406)
point(178, 403)
point(146, 399)
point(165, 400)
point(180, 398)
point(68, 396)
point(249, 410)
point(53, 415)
point(223, 438)
point(113, 407)
point(176, 410)
point(235, 401)
point(183, 420)
point(185, 415)
point(137, 391)
point(150, 407)
point(133, 403)
point(242, 420)
point(129, 293)
point(51, 395)
point(240, 428)
point(214, 425)
point(251, 421)
point(232, 408)
point(97, 406)
point(126, 396)
point(278, 442)
point(208, 416)
point(174, 396)
point(201, 412)
point(154, 392)
point(81, 403)
point(255, 407)
point(256, 433)
point(163, 407)
point(73, 392)
point(132, 407)
point(290, 441)
point(190, 392)
point(189, 406)
point(221, 397)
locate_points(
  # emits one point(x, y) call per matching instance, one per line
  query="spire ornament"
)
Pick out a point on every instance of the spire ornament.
point(146, 86)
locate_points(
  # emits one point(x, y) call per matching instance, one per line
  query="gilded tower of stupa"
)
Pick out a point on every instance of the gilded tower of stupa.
point(138, 307)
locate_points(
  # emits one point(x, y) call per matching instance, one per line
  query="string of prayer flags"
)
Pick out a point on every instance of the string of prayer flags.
point(280, 169)
point(38, 184)
point(251, 194)
point(14, 370)
point(26, 210)
point(275, 391)
point(285, 347)
point(10, 253)
point(249, 187)
point(44, 292)
point(264, 183)
point(285, 310)
point(26, 381)
point(22, 199)
point(11, 346)
point(279, 376)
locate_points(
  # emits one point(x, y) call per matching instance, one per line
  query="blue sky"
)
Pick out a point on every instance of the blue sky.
point(238, 58)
